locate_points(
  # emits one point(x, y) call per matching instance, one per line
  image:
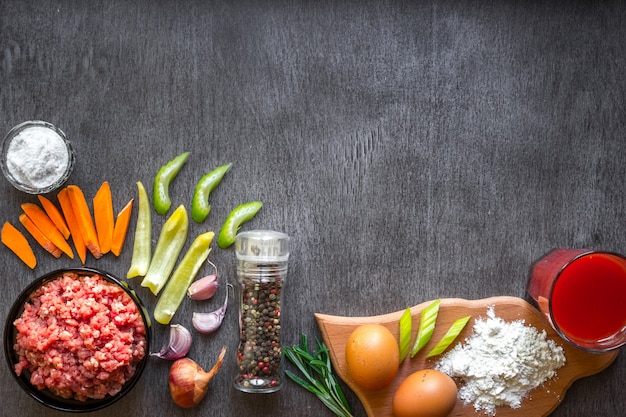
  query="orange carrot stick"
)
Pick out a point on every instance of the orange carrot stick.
point(68, 212)
point(104, 217)
point(121, 227)
point(55, 215)
point(40, 237)
point(15, 240)
point(47, 227)
point(84, 220)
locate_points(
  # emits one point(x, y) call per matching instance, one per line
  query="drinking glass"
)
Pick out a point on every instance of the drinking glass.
point(582, 293)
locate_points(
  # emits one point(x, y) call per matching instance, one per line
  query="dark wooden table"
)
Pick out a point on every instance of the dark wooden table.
point(412, 150)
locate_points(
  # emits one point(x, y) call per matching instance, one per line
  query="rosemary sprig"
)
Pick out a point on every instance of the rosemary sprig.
point(317, 375)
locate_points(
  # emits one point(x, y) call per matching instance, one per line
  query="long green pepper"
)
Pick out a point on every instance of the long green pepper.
point(169, 246)
point(140, 261)
point(200, 206)
point(176, 287)
point(165, 175)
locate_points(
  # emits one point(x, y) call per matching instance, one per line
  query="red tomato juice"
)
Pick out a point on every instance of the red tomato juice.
point(589, 298)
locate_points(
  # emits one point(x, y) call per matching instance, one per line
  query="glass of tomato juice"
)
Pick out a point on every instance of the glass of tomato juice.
point(583, 295)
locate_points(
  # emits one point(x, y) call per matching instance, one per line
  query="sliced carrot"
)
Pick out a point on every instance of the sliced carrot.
point(39, 236)
point(121, 227)
point(55, 215)
point(47, 227)
point(15, 240)
point(72, 224)
point(84, 220)
point(104, 217)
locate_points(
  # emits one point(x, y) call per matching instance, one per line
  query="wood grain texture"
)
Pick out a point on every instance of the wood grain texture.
point(411, 149)
point(540, 402)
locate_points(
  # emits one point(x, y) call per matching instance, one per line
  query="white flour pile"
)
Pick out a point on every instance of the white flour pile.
point(501, 362)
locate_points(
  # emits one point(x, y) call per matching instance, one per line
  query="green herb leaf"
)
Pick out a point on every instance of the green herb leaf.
point(426, 327)
point(452, 333)
point(317, 375)
point(405, 333)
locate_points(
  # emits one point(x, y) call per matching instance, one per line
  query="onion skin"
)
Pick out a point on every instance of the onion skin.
point(189, 383)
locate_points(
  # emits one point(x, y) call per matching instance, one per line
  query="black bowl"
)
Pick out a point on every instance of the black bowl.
point(45, 396)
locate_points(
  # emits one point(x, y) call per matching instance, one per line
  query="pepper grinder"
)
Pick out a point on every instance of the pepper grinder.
point(262, 257)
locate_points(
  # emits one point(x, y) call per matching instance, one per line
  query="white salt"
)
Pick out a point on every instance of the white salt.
point(37, 157)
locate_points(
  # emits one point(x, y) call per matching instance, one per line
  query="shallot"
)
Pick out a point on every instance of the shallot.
point(189, 383)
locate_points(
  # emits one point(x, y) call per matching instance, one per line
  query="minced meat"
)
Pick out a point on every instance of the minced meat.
point(80, 337)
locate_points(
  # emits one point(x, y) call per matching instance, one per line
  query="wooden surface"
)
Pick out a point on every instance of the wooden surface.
point(540, 402)
point(412, 149)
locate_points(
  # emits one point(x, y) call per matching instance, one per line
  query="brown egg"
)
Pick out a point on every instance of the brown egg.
point(425, 393)
point(372, 356)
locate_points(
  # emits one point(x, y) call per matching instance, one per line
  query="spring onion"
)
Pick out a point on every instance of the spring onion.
point(452, 333)
point(405, 333)
point(428, 317)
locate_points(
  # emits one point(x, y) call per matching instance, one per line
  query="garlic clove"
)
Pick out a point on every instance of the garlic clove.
point(204, 288)
point(178, 345)
point(209, 322)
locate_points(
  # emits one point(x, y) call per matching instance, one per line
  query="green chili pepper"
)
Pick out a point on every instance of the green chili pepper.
point(426, 327)
point(169, 246)
point(164, 177)
point(200, 206)
point(449, 337)
point(240, 214)
point(405, 333)
point(176, 288)
point(141, 246)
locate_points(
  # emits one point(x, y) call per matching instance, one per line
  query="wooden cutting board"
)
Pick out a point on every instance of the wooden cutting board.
point(540, 402)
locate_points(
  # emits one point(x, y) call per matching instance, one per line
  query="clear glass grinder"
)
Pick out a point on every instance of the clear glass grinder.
point(262, 257)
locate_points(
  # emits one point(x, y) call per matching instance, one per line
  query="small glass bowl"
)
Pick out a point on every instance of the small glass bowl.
point(44, 176)
point(45, 396)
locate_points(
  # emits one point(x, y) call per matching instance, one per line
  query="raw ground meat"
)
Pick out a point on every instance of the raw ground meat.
point(80, 337)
